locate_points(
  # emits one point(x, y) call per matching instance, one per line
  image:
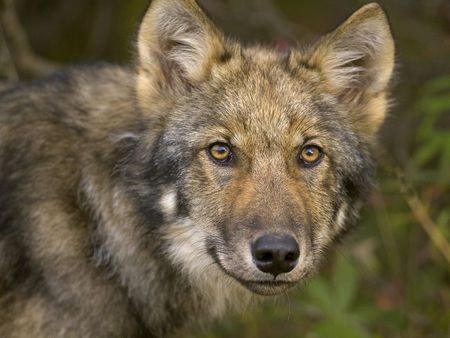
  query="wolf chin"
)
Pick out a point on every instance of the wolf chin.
point(139, 201)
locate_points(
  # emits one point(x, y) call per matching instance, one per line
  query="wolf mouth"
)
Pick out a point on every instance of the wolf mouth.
point(267, 288)
point(263, 287)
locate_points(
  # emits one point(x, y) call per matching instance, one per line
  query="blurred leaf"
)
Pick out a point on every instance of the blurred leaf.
point(319, 293)
point(437, 85)
point(368, 314)
point(427, 152)
point(338, 329)
point(345, 283)
point(444, 163)
point(435, 104)
point(392, 319)
point(443, 223)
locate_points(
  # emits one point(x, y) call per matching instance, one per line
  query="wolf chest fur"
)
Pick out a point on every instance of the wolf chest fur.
point(139, 201)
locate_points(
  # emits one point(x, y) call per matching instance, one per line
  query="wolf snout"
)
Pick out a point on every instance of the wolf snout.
point(275, 254)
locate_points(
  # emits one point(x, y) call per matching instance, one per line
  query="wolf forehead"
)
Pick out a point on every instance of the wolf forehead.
point(268, 98)
point(198, 77)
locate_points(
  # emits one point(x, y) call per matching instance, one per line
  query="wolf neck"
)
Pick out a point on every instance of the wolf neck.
point(148, 268)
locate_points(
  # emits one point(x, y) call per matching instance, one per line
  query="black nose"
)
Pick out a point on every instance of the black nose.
point(275, 254)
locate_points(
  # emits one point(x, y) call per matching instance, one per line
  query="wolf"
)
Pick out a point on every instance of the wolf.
point(138, 201)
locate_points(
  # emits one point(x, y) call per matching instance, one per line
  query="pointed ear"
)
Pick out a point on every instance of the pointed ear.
point(356, 61)
point(177, 45)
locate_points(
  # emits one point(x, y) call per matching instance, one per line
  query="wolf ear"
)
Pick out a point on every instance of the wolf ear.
point(177, 45)
point(357, 60)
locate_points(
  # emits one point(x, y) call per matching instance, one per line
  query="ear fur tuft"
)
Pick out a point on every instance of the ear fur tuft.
point(358, 57)
point(356, 62)
point(177, 45)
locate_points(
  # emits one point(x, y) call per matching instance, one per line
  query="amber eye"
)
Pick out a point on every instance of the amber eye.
point(220, 152)
point(311, 155)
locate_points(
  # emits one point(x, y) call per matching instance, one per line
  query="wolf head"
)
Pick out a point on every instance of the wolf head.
point(255, 160)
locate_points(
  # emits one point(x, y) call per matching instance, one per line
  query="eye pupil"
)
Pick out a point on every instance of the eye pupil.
point(220, 152)
point(310, 155)
point(309, 152)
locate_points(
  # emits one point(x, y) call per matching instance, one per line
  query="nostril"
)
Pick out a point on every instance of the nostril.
point(264, 256)
point(291, 256)
point(275, 254)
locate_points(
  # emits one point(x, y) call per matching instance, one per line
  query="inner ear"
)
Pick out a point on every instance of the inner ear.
point(358, 57)
point(177, 44)
point(357, 76)
point(356, 63)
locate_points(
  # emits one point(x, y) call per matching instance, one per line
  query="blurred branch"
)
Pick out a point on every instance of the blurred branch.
point(387, 235)
point(7, 67)
point(422, 216)
point(24, 60)
point(98, 39)
point(420, 213)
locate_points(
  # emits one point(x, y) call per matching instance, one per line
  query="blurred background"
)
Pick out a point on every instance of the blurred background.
point(391, 276)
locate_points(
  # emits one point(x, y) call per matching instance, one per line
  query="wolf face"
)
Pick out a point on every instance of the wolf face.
point(264, 157)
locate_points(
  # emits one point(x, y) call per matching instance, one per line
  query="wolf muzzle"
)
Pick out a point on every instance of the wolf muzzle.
point(275, 254)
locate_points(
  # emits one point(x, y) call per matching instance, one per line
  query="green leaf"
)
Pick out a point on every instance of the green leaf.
point(345, 283)
point(443, 222)
point(434, 104)
point(392, 319)
point(437, 85)
point(427, 152)
point(319, 293)
point(444, 163)
point(338, 329)
point(367, 314)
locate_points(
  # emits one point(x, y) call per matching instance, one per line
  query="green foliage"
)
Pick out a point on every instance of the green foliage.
point(434, 140)
point(335, 297)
